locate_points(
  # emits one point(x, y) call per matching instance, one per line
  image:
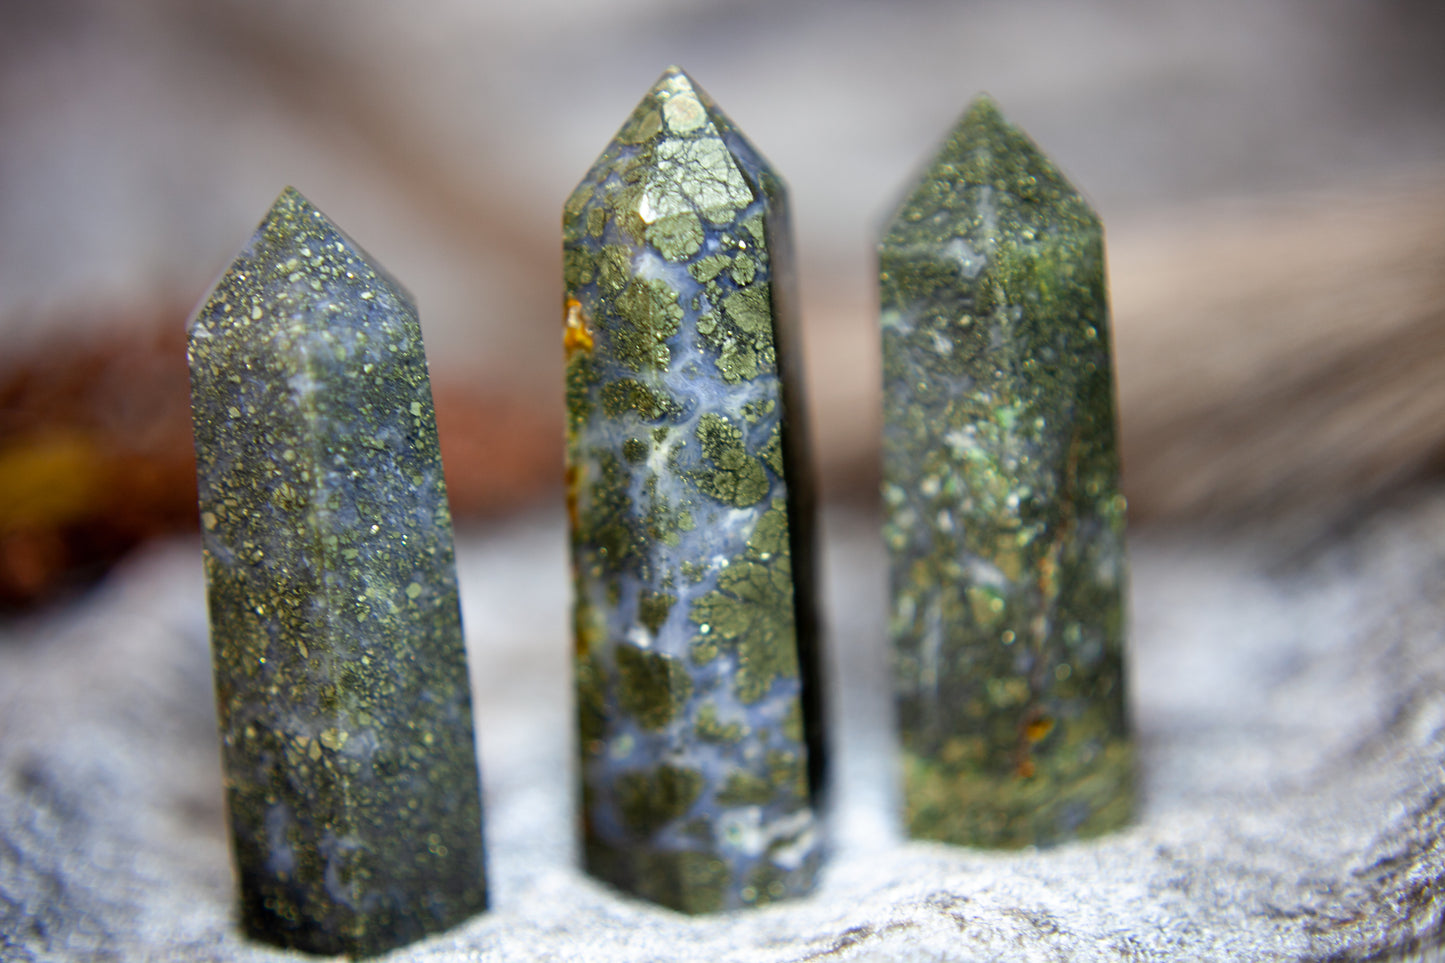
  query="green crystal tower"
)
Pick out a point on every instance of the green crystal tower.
point(341, 680)
point(1003, 518)
point(691, 517)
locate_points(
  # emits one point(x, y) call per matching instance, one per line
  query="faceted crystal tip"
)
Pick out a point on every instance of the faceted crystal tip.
point(1003, 517)
point(983, 122)
point(691, 521)
point(686, 165)
point(286, 228)
point(985, 151)
point(342, 690)
point(675, 105)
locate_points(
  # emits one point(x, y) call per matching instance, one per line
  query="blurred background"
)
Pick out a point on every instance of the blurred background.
point(1271, 173)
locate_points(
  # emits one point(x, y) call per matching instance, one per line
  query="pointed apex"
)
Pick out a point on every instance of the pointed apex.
point(984, 148)
point(289, 211)
point(675, 105)
point(983, 110)
point(987, 168)
point(298, 248)
point(685, 106)
point(680, 159)
point(290, 195)
point(673, 78)
point(290, 203)
point(983, 131)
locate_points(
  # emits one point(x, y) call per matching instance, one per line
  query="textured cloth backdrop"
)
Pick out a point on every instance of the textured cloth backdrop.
point(1290, 701)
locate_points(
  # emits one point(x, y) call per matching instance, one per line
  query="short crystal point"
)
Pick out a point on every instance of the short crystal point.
point(691, 517)
point(341, 680)
point(1003, 518)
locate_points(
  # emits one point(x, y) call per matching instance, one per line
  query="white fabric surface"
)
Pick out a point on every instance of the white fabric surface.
point(1290, 701)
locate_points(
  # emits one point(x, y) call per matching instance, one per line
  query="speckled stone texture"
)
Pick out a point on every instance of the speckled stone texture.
point(1004, 520)
point(696, 641)
point(341, 679)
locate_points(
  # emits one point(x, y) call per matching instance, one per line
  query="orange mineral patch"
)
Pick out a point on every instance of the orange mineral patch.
point(1038, 729)
point(573, 478)
point(576, 334)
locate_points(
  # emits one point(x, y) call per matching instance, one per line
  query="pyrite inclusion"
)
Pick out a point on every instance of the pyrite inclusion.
point(696, 659)
point(1003, 517)
point(341, 681)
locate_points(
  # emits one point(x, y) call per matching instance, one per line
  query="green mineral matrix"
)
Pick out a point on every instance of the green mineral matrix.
point(691, 517)
point(341, 680)
point(1002, 513)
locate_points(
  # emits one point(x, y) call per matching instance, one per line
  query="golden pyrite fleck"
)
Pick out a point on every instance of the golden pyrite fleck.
point(1003, 518)
point(691, 517)
point(341, 680)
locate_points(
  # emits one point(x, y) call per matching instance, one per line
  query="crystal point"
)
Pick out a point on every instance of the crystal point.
point(1003, 517)
point(341, 680)
point(691, 517)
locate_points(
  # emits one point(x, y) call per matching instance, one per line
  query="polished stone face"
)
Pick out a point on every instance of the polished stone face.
point(1003, 517)
point(691, 517)
point(341, 680)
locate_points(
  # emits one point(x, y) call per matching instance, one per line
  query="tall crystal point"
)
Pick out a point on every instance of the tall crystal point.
point(696, 658)
point(1003, 517)
point(341, 681)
